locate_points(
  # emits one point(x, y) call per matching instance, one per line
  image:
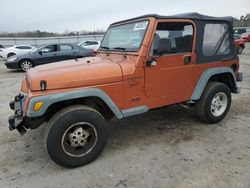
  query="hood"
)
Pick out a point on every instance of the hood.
point(75, 73)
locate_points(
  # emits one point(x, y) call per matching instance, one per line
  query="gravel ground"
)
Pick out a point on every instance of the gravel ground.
point(168, 147)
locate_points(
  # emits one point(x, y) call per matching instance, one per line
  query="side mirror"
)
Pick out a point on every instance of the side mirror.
point(40, 52)
point(151, 62)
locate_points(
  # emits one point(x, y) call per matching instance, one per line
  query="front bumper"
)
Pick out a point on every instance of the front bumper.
point(12, 65)
point(20, 122)
point(239, 76)
point(16, 121)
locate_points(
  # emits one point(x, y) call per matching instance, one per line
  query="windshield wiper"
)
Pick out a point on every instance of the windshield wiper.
point(120, 48)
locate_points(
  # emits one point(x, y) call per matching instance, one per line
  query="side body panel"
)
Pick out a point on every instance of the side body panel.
point(198, 71)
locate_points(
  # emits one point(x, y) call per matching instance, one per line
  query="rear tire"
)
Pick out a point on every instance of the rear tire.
point(75, 136)
point(214, 103)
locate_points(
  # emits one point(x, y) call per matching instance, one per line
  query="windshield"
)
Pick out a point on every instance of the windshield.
point(127, 37)
point(40, 47)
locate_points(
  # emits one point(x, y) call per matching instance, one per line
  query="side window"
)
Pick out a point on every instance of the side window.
point(66, 47)
point(85, 43)
point(49, 49)
point(93, 43)
point(90, 43)
point(23, 47)
point(216, 40)
point(172, 38)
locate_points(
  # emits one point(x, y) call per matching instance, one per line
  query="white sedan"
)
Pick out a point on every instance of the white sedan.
point(1, 49)
point(90, 44)
point(16, 50)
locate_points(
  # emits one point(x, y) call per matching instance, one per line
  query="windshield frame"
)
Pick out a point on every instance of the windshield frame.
point(125, 23)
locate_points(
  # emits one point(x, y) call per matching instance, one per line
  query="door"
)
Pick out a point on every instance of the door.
point(169, 69)
point(66, 51)
point(48, 54)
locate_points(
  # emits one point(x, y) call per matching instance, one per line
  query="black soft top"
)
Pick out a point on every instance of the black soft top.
point(227, 50)
point(191, 15)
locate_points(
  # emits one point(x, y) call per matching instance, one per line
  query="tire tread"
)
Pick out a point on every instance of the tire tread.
point(201, 107)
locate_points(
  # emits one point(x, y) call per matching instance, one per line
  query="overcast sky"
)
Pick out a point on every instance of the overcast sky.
point(75, 15)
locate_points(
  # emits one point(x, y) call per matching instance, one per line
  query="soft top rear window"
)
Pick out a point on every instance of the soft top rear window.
point(216, 40)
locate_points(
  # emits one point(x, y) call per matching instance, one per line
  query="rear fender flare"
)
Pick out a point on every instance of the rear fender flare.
point(204, 78)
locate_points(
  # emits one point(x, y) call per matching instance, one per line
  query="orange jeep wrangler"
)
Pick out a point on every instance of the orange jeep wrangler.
point(143, 63)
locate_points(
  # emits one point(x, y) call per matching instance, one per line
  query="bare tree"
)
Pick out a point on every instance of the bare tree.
point(244, 21)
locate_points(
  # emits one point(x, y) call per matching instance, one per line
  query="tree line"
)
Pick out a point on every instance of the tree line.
point(39, 33)
point(244, 21)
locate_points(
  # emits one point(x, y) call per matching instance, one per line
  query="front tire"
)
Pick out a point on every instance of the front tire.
point(240, 50)
point(25, 65)
point(76, 136)
point(214, 103)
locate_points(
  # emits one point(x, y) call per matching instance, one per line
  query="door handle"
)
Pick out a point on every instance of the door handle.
point(187, 59)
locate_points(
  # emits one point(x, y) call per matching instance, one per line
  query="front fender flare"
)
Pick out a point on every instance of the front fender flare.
point(58, 97)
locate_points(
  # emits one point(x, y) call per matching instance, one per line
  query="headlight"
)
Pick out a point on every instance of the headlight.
point(11, 59)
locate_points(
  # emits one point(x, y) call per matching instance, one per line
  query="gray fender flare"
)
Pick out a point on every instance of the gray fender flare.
point(58, 97)
point(206, 75)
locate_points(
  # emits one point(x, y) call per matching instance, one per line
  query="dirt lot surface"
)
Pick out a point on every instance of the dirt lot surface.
point(168, 147)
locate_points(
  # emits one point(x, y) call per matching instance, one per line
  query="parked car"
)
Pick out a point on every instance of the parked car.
point(47, 54)
point(91, 44)
point(239, 31)
point(143, 63)
point(1, 49)
point(246, 37)
point(239, 43)
point(16, 50)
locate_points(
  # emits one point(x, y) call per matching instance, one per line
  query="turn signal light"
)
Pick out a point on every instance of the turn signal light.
point(38, 106)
